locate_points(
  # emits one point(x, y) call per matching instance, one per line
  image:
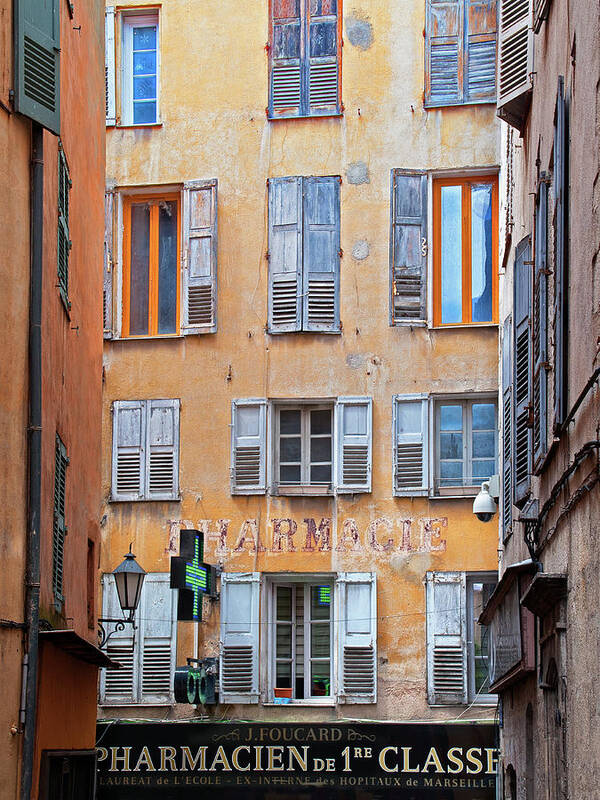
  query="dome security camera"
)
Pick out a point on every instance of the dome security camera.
point(484, 506)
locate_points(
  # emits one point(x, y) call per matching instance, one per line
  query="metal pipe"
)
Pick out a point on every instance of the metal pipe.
point(34, 447)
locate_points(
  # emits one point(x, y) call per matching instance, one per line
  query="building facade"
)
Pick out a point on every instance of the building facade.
point(52, 145)
point(301, 339)
point(543, 612)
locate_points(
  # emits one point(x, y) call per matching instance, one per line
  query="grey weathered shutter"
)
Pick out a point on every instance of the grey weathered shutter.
point(540, 317)
point(285, 254)
point(285, 54)
point(356, 602)
point(321, 249)
point(515, 61)
point(59, 528)
point(162, 450)
point(157, 639)
point(63, 246)
point(248, 446)
point(37, 61)
point(480, 50)
point(507, 425)
point(109, 65)
point(354, 434)
point(522, 370)
point(107, 282)
point(119, 686)
point(446, 638)
point(238, 679)
point(408, 246)
point(199, 257)
point(561, 255)
point(410, 424)
point(324, 40)
point(444, 52)
point(129, 446)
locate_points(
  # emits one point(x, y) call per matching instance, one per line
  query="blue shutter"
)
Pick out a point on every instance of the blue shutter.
point(408, 246)
point(561, 245)
point(444, 52)
point(285, 254)
point(480, 51)
point(507, 426)
point(322, 61)
point(285, 59)
point(522, 370)
point(540, 316)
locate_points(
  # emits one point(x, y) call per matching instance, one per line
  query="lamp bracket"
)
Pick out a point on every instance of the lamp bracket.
point(103, 636)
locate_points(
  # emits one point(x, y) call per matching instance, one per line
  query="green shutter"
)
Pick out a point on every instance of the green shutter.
point(64, 241)
point(59, 528)
point(37, 61)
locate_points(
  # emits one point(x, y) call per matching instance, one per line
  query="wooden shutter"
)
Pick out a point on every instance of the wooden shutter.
point(561, 254)
point(285, 52)
point(354, 434)
point(119, 686)
point(408, 246)
point(507, 425)
point(109, 65)
point(515, 61)
point(522, 370)
point(323, 46)
point(63, 247)
point(238, 679)
point(411, 454)
point(37, 61)
point(162, 450)
point(356, 596)
point(129, 446)
point(59, 528)
point(248, 446)
point(480, 49)
point(321, 254)
point(199, 282)
point(540, 318)
point(446, 638)
point(444, 52)
point(285, 254)
point(107, 283)
point(157, 639)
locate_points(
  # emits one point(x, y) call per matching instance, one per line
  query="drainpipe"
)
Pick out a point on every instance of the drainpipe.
point(34, 446)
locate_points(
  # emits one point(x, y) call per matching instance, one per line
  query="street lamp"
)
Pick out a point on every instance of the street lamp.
point(129, 579)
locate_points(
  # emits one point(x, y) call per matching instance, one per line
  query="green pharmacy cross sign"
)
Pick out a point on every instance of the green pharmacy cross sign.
point(191, 576)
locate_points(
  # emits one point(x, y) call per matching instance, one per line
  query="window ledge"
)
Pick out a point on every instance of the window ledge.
point(439, 496)
point(491, 101)
point(328, 115)
point(304, 703)
point(141, 125)
point(105, 704)
point(409, 323)
point(161, 337)
point(146, 500)
point(463, 325)
point(302, 491)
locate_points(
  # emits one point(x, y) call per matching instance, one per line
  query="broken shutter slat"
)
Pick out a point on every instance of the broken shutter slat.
point(522, 370)
point(199, 254)
point(321, 254)
point(444, 53)
point(285, 254)
point(408, 246)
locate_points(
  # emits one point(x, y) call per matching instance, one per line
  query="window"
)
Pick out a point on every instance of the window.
point(145, 462)
point(64, 240)
point(304, 255)
point(65, 774)
point(304, 58)
point(140, 70)
point(296, 656)
point(457, 645)
point(147, 651)
point(316, 447)
point(460, 52)
point(465, 246)
point(59, 528)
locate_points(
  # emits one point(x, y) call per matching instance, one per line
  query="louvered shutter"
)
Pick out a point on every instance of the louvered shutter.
point(480, 62)
point(37, 61)
point(107, 283)
point(321, 250)
point(109, 65)
point(324, 41)
point(199, 284)
point(354, 433)
point(162, 450)
point(540, 317)
point(522, 370)
point(285, 254)
point(248, 446)
point(63, 247)
point(515, 61)
point(444, 52)
point(561, 245)
point(356, 594)
point(408, 246)
point(238, 679)
point(119, 686)
point(157, 638)
point(59, 527)
point(285, 59)
point(446, 638)
point(507, 425)
point(129, 446)
point(410, 424)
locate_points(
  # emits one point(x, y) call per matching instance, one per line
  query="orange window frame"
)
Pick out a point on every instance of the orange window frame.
point(465, 183)
point(153, 200)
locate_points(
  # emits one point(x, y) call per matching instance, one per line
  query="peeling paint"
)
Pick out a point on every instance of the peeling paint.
point(357, 173)
point(359, 30)
point(360, 250)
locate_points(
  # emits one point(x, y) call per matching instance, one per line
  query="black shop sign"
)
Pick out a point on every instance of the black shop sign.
point(180, 761)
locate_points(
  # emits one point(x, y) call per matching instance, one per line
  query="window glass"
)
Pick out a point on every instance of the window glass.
point(167, 267)
point(451, 208)
point(466, 442)
point(481, 593)
point(140, 259)
point(481, 253)
point(144, 74)
point(484, 440)
point(451, 445)
point(305, 445)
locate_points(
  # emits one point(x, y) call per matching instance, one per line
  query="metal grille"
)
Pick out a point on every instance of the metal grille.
point(286, 86)
point(323, 84)
point(128, 473)
point(448, 672)
point(39, 74)
point(355, 464)
point(200, 305)
point(359, 670)
point(236, 664)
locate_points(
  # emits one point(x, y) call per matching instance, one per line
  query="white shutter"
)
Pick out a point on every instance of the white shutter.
point(446, 638)
point(515, 62)
point(199, 257)
point(356, 603)
point(411, 451)
point(162, 450)
point(354, 433)
point(107, 283)
point(248, 446)
point(109, 65)
point(238, 679)
point(285, 254)
point(157, 636)
point(128, 459)
point(118, 686)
